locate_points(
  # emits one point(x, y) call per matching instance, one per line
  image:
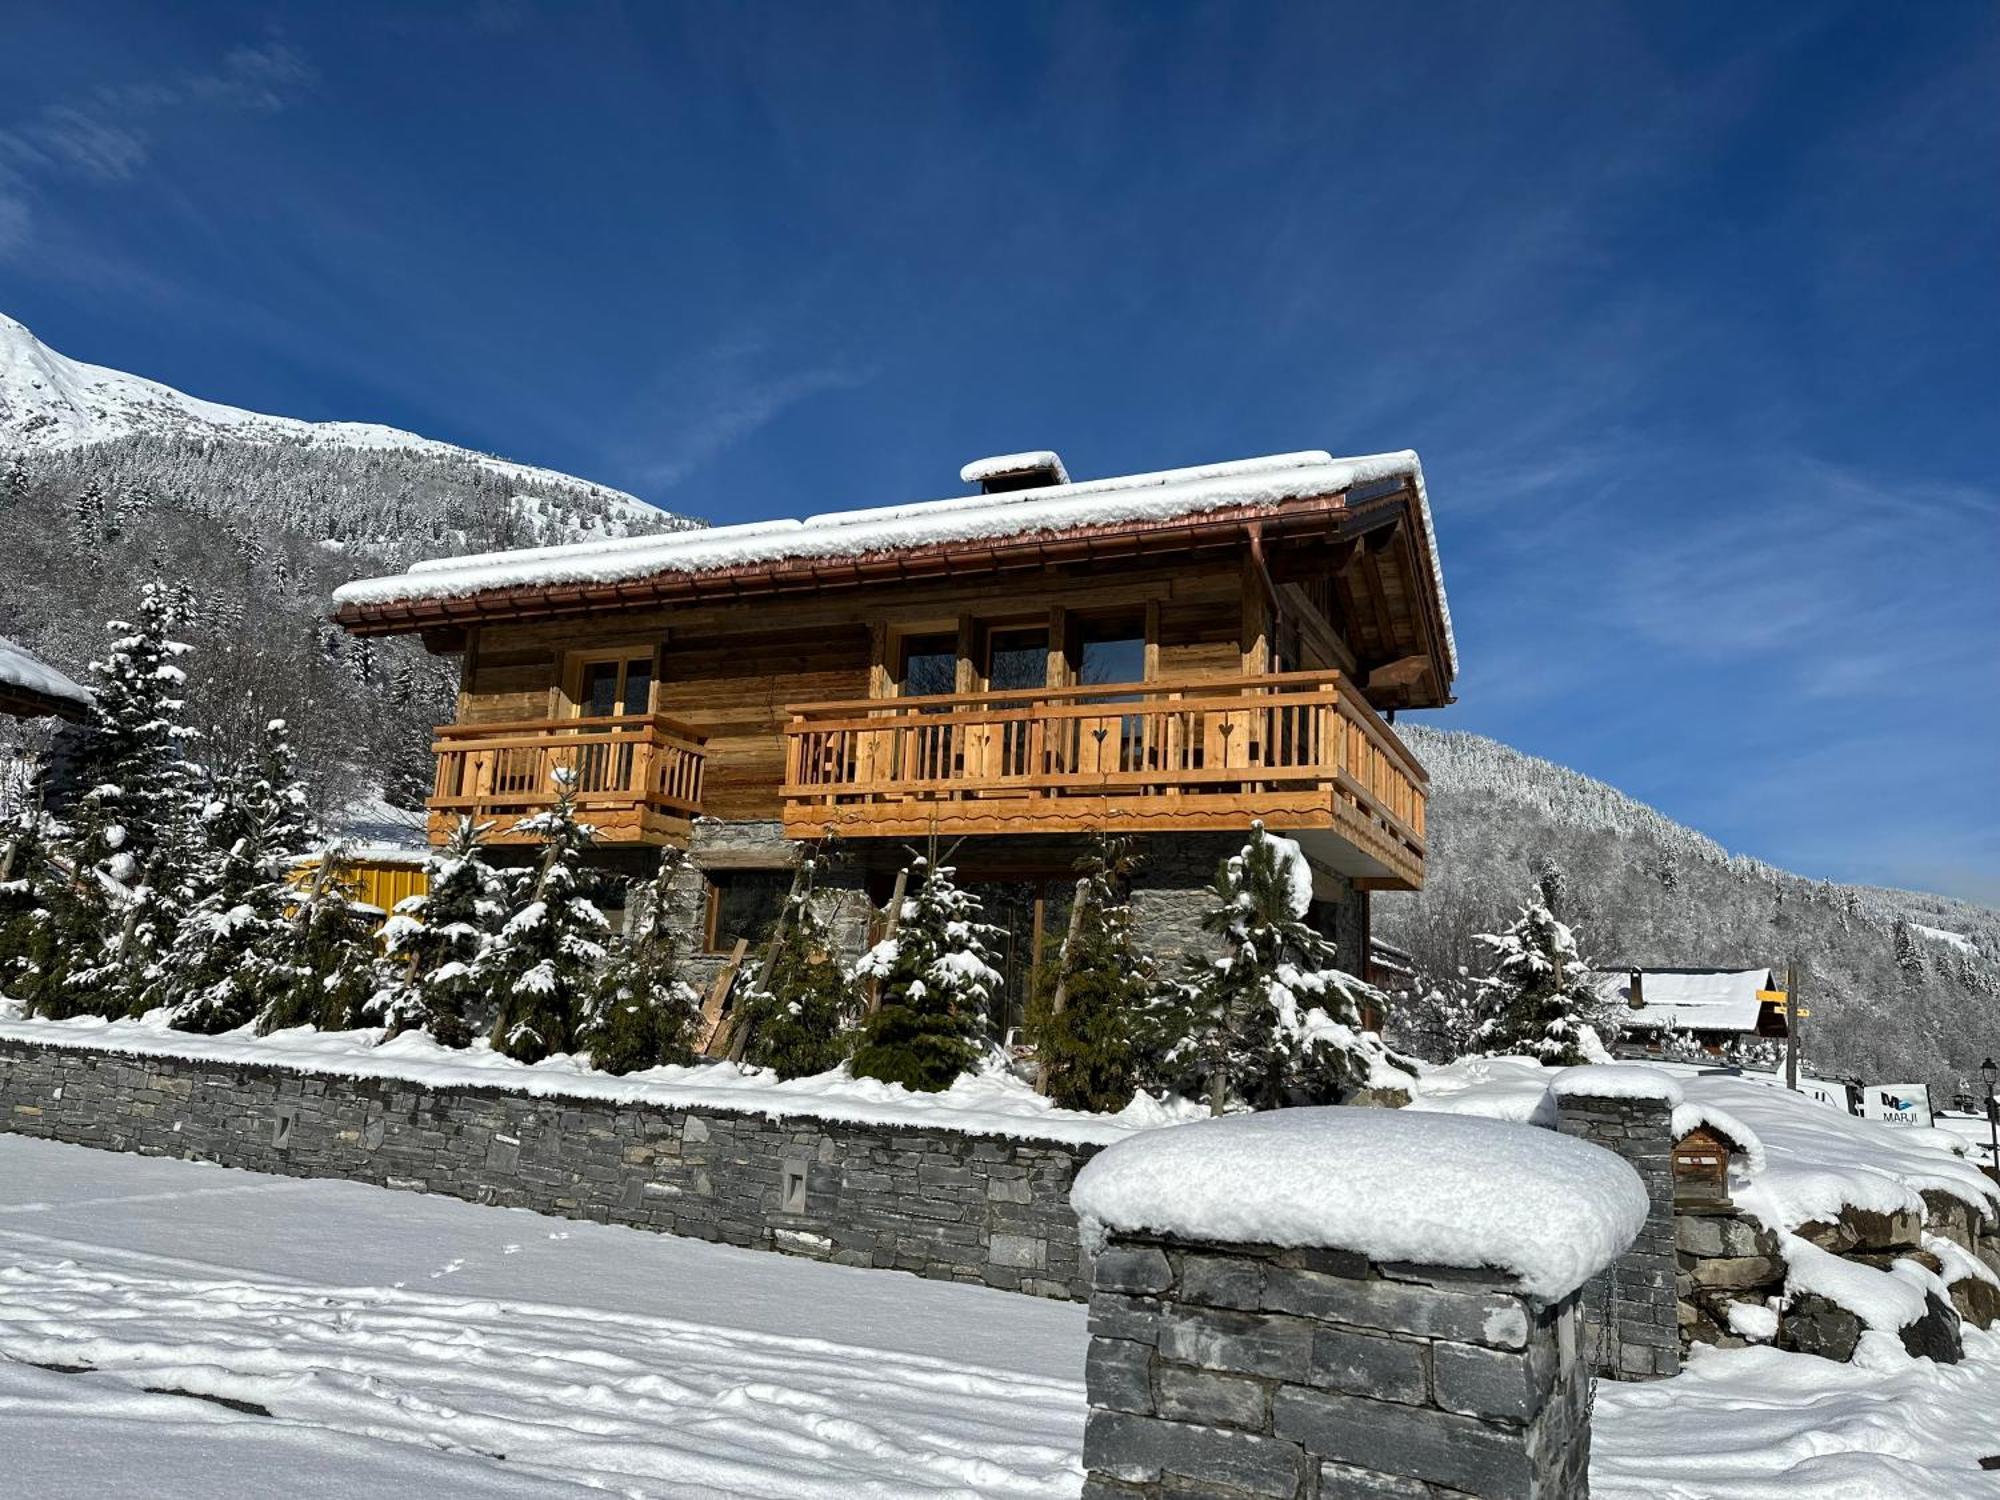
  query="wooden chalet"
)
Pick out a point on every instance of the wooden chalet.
point(32, 689)
point(1717, 1010)
point(1171, 655)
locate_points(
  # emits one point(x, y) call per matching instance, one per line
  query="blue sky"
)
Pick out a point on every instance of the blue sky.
point(1693, 311)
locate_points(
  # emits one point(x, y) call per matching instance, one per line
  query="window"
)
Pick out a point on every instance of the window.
point(930, 665)
point(744, 904)
point(1017, 658)
point(1110, 650)
point(621, 685)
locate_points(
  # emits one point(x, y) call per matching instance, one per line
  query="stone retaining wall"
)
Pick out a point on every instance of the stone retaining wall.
point(1244, 1370)
point(973, 1208)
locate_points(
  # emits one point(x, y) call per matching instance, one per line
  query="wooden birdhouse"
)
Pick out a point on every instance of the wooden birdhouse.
point(1701, 1169)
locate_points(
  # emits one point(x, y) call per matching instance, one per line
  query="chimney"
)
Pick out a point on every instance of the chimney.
point(1015, 471)
point(1637, 996)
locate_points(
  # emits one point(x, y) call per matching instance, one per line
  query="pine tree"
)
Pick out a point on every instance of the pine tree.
point(1539, 994)
point(644, 1015)
point(226, 966)
point(1090, 998)
point(1909, 957)
point(937, 980)
point(1273, 1021)
point(116, 878)
point(325, 970)
point(543, 966)
point(795, 1018)
point(438, 938)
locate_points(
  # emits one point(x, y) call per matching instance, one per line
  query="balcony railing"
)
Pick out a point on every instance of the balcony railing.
point(638, 776)
point(1300, 750)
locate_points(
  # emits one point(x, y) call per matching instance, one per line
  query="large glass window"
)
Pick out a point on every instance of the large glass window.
point(1110, 651)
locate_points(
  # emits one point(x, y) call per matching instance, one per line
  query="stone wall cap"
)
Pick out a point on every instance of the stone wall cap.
point(1548, 1210)
point(1617, 1081)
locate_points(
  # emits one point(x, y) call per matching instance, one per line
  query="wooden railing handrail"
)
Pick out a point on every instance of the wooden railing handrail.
point(1076, 690)
point(659, 723)
point(939, 707)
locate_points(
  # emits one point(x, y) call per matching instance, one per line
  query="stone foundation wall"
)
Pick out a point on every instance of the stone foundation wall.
point(992, 1210)
point(1630, 1318)
point(1241, 1370)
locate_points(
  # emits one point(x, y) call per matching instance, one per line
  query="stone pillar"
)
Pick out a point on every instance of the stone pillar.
point(1257, 1330)
point(1227, 1370)
point(1630, 1313)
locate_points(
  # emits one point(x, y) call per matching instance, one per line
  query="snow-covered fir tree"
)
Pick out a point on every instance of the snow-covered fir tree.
point(327, 970)
point(115, 881)
point(795, 1017)
point(1539, 997)
point(643, 1014)
point(226, 965)
point(1273, 1021)
point(435, 940)
point(937, 980)
point(1091, 996)
point(542, 968)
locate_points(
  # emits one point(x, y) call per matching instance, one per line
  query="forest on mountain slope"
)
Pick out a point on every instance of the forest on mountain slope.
point(1889, 1000)
point(254, 536)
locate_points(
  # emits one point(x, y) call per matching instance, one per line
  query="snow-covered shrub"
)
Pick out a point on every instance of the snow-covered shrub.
point(1089, 997)
point(1539, 996)
point(436, 939)
point(796, 1017)
point(328, 970)
point(643, 1014)
point(542, 968)
point(1272, 1021)
point(937, 980)
point(114, 885)
point(227, 963)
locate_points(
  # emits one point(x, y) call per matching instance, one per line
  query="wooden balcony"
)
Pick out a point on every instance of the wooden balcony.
point(1303, 751)
point(638, 776)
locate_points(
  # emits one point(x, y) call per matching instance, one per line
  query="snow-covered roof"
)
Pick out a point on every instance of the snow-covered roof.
point(25, 674)
point(1165, 495)
point(1393, 1185)
point(1688, 999)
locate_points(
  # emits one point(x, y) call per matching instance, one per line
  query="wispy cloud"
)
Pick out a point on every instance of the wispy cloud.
point(108, 134)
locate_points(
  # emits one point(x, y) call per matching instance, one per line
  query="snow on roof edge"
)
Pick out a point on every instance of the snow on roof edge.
point(982, 469)
point(21, 668)
point(1271, 480)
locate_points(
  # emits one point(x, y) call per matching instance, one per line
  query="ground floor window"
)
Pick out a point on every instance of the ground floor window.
point(744, 904)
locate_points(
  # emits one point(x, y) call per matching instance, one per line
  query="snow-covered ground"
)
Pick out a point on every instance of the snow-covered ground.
point(416, 1345)
point(408, 1344)
point(992, 1102)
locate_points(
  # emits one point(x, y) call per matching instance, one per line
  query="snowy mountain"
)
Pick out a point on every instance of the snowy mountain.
point(107, 479)
point(1903, 986)
point(50, 401)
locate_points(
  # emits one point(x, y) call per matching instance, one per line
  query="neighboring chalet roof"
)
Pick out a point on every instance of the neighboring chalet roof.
point(1688, 999)
point(30, 687)
point(1076, 521)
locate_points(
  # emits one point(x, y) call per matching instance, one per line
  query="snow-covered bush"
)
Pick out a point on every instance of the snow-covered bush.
point(227, 963)
point(1272, 1021)
point(328, 969)
point(643, 1014)
point(1090, 997)
point(436, 940)
point(1539, 997)
point(542, 968)
point(796, 1016)
point(937, 980)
